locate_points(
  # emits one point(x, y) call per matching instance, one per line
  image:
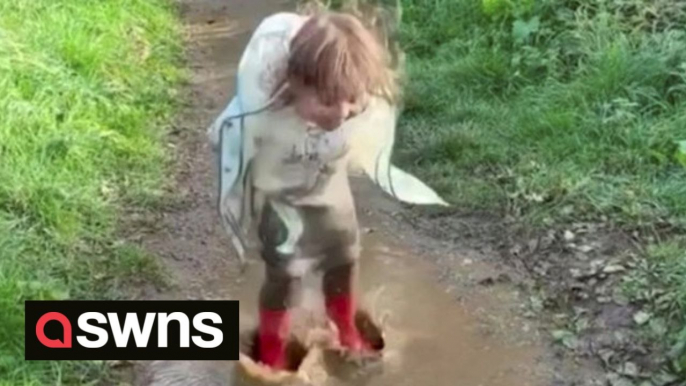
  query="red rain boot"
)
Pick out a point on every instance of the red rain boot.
point(341, 309)
point(274, 325)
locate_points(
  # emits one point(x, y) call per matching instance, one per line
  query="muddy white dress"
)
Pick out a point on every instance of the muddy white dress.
point(271, 156)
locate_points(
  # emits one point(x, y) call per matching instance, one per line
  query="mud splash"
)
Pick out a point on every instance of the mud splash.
point(430, 339)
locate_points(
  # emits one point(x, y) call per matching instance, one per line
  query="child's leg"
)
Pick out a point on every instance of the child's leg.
point(276, 297)
point(277, 293)
point(339, 291)
point(334, 234)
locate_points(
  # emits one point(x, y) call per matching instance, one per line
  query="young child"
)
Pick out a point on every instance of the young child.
point(315, 100)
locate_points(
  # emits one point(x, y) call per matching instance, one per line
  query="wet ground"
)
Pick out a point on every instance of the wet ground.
point(432, 336)
point(449, 316)
point(431, 339)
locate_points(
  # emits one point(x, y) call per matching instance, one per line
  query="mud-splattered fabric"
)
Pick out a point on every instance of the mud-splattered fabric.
point(330, 239)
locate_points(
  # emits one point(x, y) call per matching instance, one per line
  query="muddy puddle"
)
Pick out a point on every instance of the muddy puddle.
point(430, 338)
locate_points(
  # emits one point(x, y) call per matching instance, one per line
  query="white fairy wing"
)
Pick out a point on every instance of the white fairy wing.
point(372, 137)
point(230, 191)
point(232, 133)
point(259, 63)
point(230, 144)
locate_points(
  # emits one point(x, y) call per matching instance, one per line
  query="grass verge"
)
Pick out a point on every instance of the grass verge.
point(558, 112)
point(86, 88)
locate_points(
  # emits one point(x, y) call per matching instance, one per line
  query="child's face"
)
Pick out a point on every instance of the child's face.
point(326, 116)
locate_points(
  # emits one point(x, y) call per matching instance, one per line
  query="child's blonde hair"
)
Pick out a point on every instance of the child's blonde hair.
point(336, 55)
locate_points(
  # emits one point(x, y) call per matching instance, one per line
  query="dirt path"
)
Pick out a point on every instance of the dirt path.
point(452, 318)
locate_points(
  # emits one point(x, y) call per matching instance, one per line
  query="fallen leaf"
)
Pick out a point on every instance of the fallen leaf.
point(558, 335)
point(620, 299)
point(613, 268)
point(533, 245)
point(567, 210)
point(567, 338)
point(582, 324)
point(119, 363)
point(585, 248)
point(665, 379)
point(606, 355)
point(576, 273)
point(614, 379)
point(516, 250)
point(536, 303)
point(641, 317)
point(630, 369)
point(535, 197)
point(658, 326)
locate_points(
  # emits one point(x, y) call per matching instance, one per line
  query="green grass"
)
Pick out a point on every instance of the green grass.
point(86, 88)
point(658, 285)
point(558, 111)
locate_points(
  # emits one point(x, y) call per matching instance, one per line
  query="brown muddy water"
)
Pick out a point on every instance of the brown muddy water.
point(430, 338)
